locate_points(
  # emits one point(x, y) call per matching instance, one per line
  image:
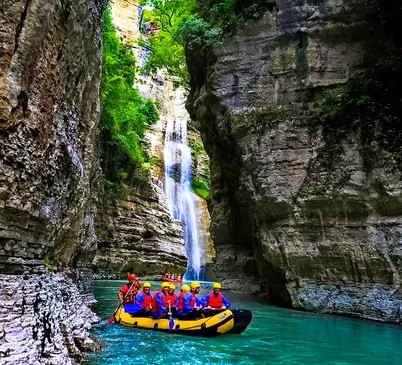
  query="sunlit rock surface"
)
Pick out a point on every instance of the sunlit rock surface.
point(319, 238)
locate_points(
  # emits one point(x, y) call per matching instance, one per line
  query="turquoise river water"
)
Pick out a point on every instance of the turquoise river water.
point(276, 336)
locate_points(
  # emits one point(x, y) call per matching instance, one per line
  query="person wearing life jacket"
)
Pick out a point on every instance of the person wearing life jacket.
point(191, 308)
point(142, 305)
point(172, 300)
point(159, 302)
point(215, 302)
point(180, 301)
point(129, 291)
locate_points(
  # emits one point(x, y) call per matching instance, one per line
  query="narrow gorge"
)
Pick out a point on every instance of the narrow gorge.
point(257, 144)
point(145, 231)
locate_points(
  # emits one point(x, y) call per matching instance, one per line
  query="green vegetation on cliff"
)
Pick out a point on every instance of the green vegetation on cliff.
point(201, 187)
point(371, 106)
point(201, 179)
point(193, 24)
point(125, 115)
point(166, 44)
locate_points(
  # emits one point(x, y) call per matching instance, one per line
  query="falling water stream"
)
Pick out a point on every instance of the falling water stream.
point(177, 155)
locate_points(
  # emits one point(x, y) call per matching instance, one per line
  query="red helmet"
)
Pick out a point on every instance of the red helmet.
point(132, 277)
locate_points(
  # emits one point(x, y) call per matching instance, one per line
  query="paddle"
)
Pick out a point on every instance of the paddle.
point(111, 319)
point(171, 320)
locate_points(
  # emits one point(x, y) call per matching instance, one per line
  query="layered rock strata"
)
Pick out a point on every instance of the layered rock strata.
point(318, 235)
point(50, 58)
point(138, 235)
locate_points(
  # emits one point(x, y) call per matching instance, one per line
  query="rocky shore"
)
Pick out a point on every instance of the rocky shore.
point(44, 320)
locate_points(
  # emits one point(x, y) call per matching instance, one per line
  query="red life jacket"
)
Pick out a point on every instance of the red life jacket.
point(180, 306)
point(147, 301)
point(154, 303)
point(215, 301)
point(172, 299)
point(129, 294)
point(193, 300)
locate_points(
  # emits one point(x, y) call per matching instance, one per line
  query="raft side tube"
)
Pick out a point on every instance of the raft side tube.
point(242, 319)
point(221, 323)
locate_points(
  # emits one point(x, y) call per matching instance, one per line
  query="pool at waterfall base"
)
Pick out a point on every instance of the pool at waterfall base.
point(276, 335)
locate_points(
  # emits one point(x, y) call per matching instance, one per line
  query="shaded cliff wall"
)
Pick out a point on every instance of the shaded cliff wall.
point(50, 58)
point(320, 236)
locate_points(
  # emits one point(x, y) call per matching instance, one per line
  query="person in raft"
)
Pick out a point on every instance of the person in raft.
point(183, 290)
point(191, 308)
point(129, 291)
point(172, 300)
point(215, 302)
point(142, 305)
point(180, 300)
point(159, 302)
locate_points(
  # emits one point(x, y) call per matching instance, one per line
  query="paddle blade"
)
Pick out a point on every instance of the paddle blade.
point(111, 320)
point(171, 324)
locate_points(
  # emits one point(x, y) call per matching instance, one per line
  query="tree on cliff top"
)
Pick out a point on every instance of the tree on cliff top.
point(193, 24)
point(167, 45)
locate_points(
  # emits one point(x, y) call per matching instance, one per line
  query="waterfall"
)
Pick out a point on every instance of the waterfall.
point(140, 15)
point(144, 51)
point(179, 194)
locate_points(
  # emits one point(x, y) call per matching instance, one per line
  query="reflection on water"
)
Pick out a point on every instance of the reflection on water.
point(276, 335)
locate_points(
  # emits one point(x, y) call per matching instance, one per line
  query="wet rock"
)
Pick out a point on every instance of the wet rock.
point(138, 233)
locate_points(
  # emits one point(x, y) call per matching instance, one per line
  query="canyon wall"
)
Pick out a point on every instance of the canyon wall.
point(305, 228)
point(50, 62)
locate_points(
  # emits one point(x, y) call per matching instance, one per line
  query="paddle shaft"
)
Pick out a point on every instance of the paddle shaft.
point(170, 309)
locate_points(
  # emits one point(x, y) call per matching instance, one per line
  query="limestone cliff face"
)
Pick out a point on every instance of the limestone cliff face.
point(43, 320)
point(138, 235)
point(316, 237)
point(50, 57)
point(125, 15)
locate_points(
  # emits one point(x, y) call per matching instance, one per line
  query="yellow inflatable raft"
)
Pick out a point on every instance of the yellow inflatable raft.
point(229, 321)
